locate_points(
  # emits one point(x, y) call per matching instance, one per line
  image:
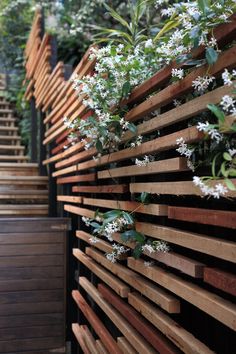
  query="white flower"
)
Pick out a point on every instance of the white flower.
point(147, 159)
point(178, 73)
point(137, 142)
point(148, 264)
point(111, 257)
point(216, 192)
point(183, 148)
point(149, 43)
point(93, 240)
point(232, 152)
point(86, 220)
point(201, 83)
point(148, 248)
point(227, 103)
point(227, 78)
point(176, 103)
point(212, 132)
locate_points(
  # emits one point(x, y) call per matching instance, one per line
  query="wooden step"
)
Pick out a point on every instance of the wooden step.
point(13, 158)
point(27, 194)
point(8, 129)
point(7, 119)
point(23, 209)
point(12, 147)
point(28, 180)
point(10, 137)
point(18, 169)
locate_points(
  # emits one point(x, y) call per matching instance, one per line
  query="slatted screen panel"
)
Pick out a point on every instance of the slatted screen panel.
point(32, 285)
point(185, 302)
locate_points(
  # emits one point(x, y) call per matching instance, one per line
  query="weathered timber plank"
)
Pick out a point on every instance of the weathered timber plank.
point(96, 324)
point(177, 261)
point(220, 309)
point(175, 188)
point(221, 218)
point(81, 178)
point(171, 165)
point(79, 211)
point(213, 246)
point(158, 341)
point(116, 284)
point(221, 280)
point(70, 199)
point(166, 301)
point(117, 188)
point(162, 98)
point(183, 339)
point(181, 113)
point(152, 209)
point(119, 321)
point(125, 346)
point(167, 142)
point(79, 334)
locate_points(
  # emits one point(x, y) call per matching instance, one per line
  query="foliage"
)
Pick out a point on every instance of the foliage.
point(119, 221)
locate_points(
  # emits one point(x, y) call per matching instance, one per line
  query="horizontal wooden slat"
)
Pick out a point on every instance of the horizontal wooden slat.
point(172, 165)
point(213, 246)
point(96, 323)
point(178, 335)
point(204, 216)
point(120, 322)
point(117, 285)
point(152, 209)
point(138, 322)
point(117, 188)
point(220, 309)
point(172, 259)
point(158, 295)
point(221, 280)
point(175, 188)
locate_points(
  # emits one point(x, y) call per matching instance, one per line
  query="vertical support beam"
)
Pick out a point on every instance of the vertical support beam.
point(51, 181)
point(42, 148)
point(34, 129)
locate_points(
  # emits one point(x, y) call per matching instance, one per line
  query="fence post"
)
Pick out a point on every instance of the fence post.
point(34, 130)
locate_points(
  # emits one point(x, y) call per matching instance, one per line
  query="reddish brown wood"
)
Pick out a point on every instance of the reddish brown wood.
point(82, 178)
point(221, 280)
point(117, 188)
point(204, 216)
point(96, 323)
point(223, 33)
point(156, 339)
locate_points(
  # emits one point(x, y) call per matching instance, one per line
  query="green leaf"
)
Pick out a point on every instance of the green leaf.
point(128, 217)
point(99, 146)
point(217, 112)
point(167, 27)
point(227, 156)
point(132, 127)
point(229, 184)
point(117, 17)
point(211, 55)
point(223, 170)
point(137, 251)
point(232, 172)
point(204, 6)
point(126, 89)
point(112, 214)
point(144, 197)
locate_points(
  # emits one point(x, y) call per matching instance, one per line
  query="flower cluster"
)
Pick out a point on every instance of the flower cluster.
point(156, 246)
point(117, 251)
point(201, 83)
point(183, 148)
point(146, 160)
point(217, 191)
point(208, 128)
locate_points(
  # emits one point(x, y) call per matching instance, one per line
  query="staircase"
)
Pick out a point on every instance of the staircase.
point(23, 193)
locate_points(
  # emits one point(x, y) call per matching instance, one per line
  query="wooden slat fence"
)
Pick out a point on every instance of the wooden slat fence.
point(185, 301)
